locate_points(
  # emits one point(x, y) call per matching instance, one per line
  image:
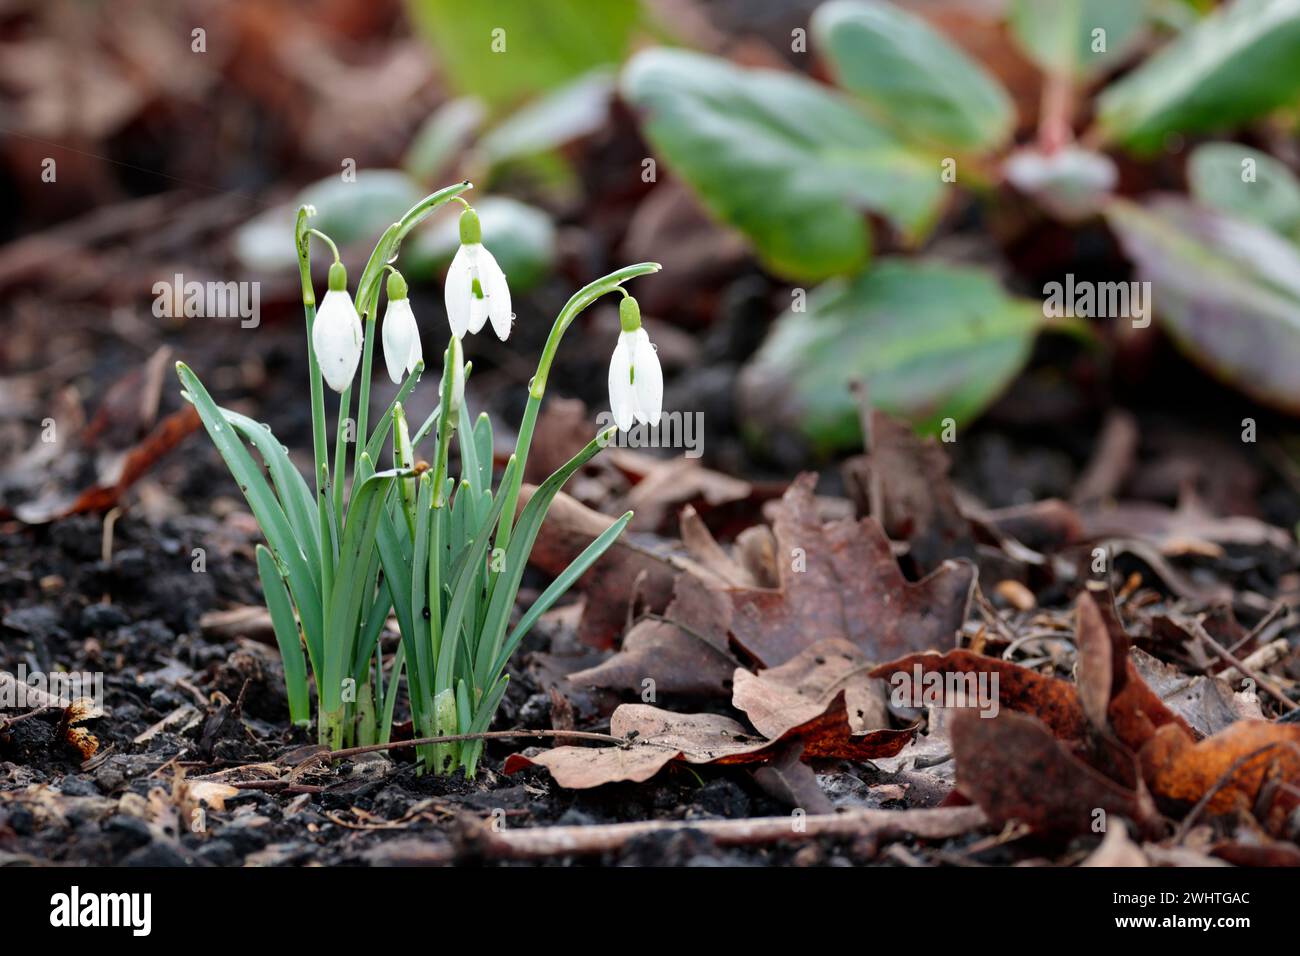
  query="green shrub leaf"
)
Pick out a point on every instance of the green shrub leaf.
point(1061, 36)
point(930, 341)
point(1246, 183)
point(914, 78)
point(785, 160)
point(1238, 63)
point(1227, 291)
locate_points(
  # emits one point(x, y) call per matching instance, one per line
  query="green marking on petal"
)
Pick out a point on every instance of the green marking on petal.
point(477, 289)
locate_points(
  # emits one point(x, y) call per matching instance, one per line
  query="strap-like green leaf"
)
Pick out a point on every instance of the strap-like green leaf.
point(266, 509)
point(576, 569)
point(286, 636)
point(464, 582)
point(521, 545)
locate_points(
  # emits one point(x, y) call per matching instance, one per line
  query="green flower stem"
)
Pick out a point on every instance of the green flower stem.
point(385, 252)
point(537, 387)
point(303, 242)
point(341, 454)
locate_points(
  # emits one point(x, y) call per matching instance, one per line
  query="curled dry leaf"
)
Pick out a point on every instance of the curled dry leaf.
point(1053, 701)
point(1250, 765)
point(841, 580)
point(1112, 692)
point(78, 738)
point(777, 699)
point(684, 652)
point(654, 738)
point(1015, 769)
point(1206, 704)
point(626, 570)
point(903, 483)
point(1116, 849)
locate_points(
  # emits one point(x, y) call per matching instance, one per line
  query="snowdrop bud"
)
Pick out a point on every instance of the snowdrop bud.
point(636, 381)
point(476, 288)
point(401, 336)
point(456, 368)
point(336, 332)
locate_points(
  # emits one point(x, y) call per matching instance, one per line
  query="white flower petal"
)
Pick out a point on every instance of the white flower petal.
point(336, 338)
point(401, 339)
point(478, 311)
point(456, 292)
point(648, 382)
point(622, 399)
point(498, 294)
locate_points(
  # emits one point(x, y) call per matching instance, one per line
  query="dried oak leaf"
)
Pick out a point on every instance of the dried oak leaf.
point(840, 579)
point(1207, 704)
point(627, 571)
point(1053, 701)
point(1112, 692)
point(1174, 531)
point(1252, 764)
point(792, 782)
point(779, 698)
point(903, 482)
point(1014, 768)
point(684, 651)
point(655, 738)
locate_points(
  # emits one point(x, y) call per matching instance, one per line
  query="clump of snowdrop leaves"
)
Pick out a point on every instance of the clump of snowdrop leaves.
point(636, 381)
point(444, 554)
point(476, 288)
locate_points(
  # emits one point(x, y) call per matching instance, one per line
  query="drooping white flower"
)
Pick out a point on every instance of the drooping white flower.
point(636, 381)
point(336, 333)
point(476, 288)
point(401, 336)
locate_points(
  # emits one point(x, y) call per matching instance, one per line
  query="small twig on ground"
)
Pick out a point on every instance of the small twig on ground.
point(544, 842)
point(1279, 610)
point(1260, 658)
point(1260, 681)
point(7, 722)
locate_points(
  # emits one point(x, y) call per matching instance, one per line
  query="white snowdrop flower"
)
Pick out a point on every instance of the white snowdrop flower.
point(636, 382)
point(336, 333)
point(476, 288)
point(401, 336)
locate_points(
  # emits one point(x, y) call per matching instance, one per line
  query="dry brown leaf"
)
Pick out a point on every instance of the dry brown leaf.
point(655, 738)
point(1116, 849)
point(1253, 765)
point(684, 652)
point(841, 580)
point(777, 699)
point(1015, 769)
point(1207, 704)
point(1112, 692)
point(1053, 701)
point(903, 483)
point(626, 571)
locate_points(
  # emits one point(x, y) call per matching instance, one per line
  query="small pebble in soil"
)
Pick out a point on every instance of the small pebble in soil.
point(721, 798)
point(218, 853)
point(75, 785)
point(126, 833)
point(159, 853)
point(101, 618)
